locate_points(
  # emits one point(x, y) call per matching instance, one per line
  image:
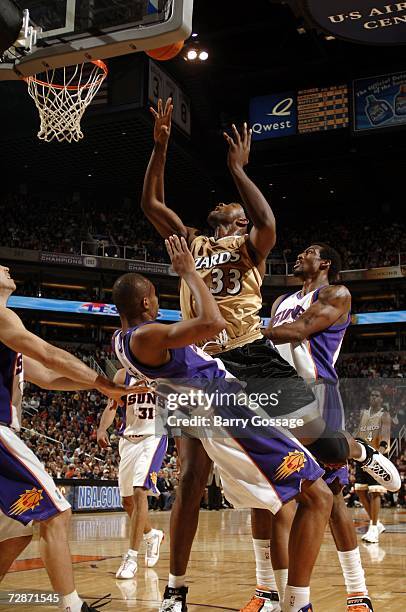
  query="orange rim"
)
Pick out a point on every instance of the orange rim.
point(98, 63)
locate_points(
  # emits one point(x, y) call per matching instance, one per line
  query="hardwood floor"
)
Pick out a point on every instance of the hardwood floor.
point(221, 572)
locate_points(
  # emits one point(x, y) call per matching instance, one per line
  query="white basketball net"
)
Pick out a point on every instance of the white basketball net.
point(61, 105)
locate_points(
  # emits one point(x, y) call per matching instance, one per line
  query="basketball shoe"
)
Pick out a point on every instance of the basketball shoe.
point(308, 608)
point(96, 605)
point(372, 535)
point(128, 567)
point(153, 542)
point(381, 529)
point(380, 468)
point(358, 602)
point(174, 600)
point(263, 600)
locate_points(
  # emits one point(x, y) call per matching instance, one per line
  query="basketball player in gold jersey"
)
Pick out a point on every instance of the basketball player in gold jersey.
point(375, 427)
point(232, 263)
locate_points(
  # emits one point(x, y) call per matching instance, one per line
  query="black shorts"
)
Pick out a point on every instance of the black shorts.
point(261, 367)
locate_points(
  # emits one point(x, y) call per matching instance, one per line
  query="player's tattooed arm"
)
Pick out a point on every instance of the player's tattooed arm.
point(262, 236)
point(165, 220)
point(332, 307)
point(151, 343)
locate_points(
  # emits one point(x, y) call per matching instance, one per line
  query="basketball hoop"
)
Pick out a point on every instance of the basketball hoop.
point(61, 105)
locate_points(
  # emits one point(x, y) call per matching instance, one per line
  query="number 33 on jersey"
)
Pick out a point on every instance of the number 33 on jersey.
point(234, 280)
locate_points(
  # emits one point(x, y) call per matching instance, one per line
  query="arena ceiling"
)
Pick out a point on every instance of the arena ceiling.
point(254, 48)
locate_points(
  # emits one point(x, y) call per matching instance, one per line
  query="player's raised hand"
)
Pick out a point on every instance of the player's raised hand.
point(181, 257)
point(239, 146)
point(163, 121)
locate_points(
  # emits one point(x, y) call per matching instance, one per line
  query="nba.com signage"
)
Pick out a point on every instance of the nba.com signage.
point(375, 22)
point(273, 116)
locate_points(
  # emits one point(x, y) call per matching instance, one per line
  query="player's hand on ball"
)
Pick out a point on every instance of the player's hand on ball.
point(181, 257)
point(163, 121)
point(239, 146)
point(103, 438)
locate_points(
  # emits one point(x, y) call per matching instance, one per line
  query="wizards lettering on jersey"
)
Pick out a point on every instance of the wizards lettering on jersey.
point(294, 313)
point(219, 259)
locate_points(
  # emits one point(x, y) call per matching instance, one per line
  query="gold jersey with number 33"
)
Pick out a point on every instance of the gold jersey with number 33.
point(226, 267)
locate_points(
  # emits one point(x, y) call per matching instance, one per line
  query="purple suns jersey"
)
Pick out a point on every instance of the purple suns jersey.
point(189, 362)
point(315, 357)
point(11, 387)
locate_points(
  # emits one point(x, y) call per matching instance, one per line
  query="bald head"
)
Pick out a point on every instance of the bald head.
point(135, 297)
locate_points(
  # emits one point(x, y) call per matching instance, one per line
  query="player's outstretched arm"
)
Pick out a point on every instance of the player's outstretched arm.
point(38, 374)
point(263, 234)
point(333, 304)
point(165, 220)
point(150, 343)
point(14, 335)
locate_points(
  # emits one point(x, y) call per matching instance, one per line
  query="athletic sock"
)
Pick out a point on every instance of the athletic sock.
point(281, 578)
point(175, 582)
point(363, 453)
point(353, 572)
point(264, 571)
point(133, 553)
point(71, 602)
point(149, 534)
point(296, 598)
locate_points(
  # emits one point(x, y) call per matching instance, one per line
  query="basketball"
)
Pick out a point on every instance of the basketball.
point(167, 52)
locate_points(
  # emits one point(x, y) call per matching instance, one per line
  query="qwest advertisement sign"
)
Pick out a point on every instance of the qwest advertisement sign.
point(273, 116)
point(369, 21)
point(380, 102)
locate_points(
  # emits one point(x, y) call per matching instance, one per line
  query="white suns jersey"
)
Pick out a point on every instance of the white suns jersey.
point(315, 357)
point(138, 412)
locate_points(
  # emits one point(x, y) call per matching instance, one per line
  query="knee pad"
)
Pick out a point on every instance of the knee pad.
point(332, 447)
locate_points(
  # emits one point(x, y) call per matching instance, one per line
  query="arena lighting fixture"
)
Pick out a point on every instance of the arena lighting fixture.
point(191, 55)
point(194, 52)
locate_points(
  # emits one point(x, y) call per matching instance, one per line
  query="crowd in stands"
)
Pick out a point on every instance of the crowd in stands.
point(61, 225)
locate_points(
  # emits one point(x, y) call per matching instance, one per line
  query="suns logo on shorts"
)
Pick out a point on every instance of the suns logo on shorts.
point(154, 478)
point(293, 462)
point(27, 501)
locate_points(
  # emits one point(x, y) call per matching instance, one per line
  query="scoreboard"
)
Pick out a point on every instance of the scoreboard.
point(322, 109)
point(291, 113)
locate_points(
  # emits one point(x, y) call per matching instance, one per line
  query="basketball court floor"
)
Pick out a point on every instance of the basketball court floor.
point(221, 573)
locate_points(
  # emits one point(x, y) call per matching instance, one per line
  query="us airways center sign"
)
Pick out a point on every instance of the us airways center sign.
point(374, 22)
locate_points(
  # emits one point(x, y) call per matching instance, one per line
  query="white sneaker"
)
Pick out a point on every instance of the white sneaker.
point(372, 535)
point(153, 543)
point(380, 468)
point(128, 568)
point(381, 527)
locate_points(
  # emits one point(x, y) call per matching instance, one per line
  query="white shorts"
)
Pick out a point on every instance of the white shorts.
point(27, 491)
point(9, 528)
point(140, 461)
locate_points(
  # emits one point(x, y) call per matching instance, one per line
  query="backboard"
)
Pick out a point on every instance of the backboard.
point(73, 31)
